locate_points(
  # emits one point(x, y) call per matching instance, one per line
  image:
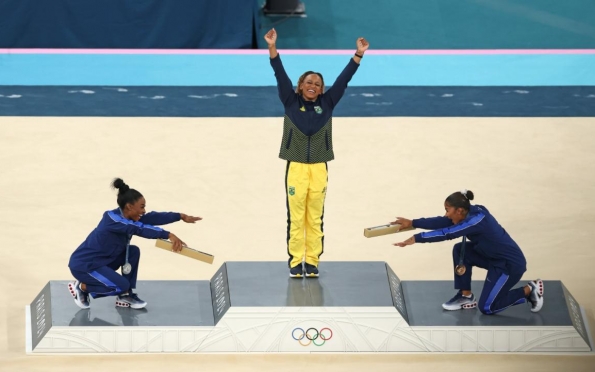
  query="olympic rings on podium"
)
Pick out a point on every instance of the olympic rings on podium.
point(312, 334)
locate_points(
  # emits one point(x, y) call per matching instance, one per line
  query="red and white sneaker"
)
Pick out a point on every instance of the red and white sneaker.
point(536, 295)
point(81, 298)
point(130, 300)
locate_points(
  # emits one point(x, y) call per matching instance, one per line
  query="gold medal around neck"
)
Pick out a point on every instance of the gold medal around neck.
point(460, 269)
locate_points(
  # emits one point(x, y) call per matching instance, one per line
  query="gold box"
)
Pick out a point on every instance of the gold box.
point(371, 232)
point(188, 252)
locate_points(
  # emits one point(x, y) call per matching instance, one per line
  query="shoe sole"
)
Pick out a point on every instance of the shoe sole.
point(126, 304)
point(72, 290)
point(312, 275)
point(295, 275)
point(461, 307)
point(540, 290)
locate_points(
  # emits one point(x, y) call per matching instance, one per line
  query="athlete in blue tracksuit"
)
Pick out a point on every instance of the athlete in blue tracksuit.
point(95, 261)
point(488, 246)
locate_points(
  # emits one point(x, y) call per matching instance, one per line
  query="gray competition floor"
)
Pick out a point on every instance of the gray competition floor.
point(170, 303)
point(339, 284)
point(424, 306)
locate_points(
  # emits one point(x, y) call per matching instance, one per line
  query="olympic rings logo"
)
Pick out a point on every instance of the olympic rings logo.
point(312, 335)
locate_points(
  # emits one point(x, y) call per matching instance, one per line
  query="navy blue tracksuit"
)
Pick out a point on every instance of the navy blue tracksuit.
point(96, 260)
point(488, 246)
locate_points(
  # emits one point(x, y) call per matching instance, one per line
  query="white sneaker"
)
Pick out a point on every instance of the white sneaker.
point(536, 295)
point(130, 300)
point(459, 302)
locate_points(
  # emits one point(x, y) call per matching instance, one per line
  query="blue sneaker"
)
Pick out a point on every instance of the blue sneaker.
point(81, 298)
point(311, 271)
point(459, 302)
point(130, 300)
point(296, 271)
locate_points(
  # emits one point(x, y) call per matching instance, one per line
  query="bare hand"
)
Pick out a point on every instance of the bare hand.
point(189, 219)
point(409, 241)
point(271, 37)
point(405, 223)
point(362, 45)
point(177, 243)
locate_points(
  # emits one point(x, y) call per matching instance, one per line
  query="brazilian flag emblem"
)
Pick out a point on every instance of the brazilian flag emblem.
point(291, 190)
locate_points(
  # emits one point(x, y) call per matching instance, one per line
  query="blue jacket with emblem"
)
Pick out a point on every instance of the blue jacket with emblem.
point(485, 234)
point(109, 239)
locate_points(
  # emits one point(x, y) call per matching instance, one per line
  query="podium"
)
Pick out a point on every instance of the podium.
point(254, 307)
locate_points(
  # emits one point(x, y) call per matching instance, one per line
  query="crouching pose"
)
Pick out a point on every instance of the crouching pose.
point(107, 248)
point(485, 244)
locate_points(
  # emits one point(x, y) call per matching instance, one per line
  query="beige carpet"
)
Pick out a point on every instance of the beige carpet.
point(537, 176)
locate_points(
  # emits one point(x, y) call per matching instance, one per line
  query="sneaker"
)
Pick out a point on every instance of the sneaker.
point(296, 271)
point(459, 302)
point(536, 295)
point(81, 298)
point(130, 300)
point(311, 271)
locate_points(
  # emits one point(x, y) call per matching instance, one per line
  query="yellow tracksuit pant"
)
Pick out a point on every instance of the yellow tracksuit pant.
point(305, 187)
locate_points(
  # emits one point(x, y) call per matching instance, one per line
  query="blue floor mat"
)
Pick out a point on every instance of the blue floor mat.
point(164, 101)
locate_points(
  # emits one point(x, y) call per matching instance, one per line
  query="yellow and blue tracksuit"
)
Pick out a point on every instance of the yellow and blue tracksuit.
point(96, 260)
point(307, 146)
point(490, 247)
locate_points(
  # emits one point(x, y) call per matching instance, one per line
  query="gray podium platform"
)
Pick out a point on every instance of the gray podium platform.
point(256, 307)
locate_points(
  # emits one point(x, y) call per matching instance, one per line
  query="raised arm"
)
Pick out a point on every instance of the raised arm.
point(335, 93)
point(284, 84)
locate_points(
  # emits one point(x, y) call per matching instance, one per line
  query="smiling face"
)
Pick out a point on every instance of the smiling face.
point(311, 87)
point(456, 215)
point(135, 210)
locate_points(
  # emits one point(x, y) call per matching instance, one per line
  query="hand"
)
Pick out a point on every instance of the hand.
point(405, 223)
point(189, 219)
point(177, 243)
point(362, 45)
point(409, 241)
point(271, 37)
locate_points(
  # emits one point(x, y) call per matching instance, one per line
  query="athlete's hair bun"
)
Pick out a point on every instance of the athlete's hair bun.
point(119, 184)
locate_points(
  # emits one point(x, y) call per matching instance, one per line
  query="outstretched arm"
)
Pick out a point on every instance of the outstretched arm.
point(117, 223)
point(469, 226)
point(164, 218)
point(431, 223)
point(160, 218)
point(335, 93)
point(284, 84)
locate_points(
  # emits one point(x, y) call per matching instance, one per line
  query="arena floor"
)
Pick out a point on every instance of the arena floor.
point(534, 174)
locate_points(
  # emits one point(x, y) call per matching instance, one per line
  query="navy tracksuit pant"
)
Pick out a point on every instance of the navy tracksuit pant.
point(497, 294)
point(105, 281)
